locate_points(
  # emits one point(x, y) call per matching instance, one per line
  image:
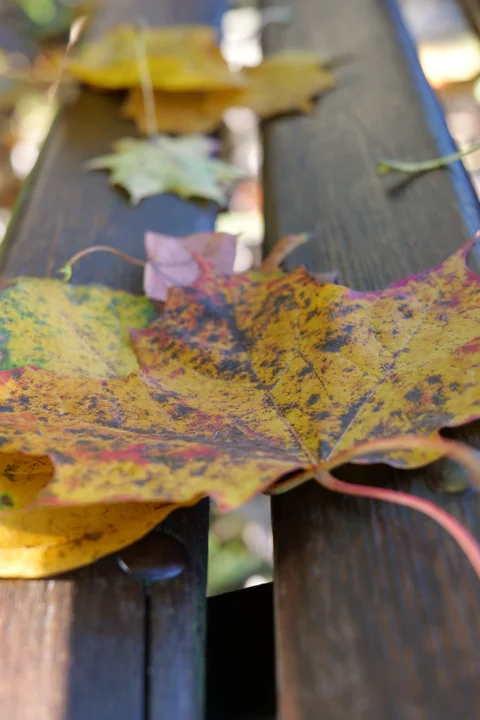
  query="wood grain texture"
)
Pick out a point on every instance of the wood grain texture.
point(61, 641)
point(75, 645)
point(376, 609)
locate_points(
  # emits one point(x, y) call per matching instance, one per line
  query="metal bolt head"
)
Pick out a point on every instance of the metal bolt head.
point(156, 558)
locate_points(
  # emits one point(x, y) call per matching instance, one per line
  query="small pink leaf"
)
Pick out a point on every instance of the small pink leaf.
point(171, 260)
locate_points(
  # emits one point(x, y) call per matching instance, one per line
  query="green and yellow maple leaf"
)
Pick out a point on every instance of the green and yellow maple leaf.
point(81, 331)
point(163, 164)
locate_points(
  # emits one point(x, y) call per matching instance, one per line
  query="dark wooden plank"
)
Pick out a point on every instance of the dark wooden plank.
point(61, 640)
point(472, 10)
point(77, 643)
point(376, 609)
point(177, 625)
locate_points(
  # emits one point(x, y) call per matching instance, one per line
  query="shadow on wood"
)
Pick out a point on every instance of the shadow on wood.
point(240, 655)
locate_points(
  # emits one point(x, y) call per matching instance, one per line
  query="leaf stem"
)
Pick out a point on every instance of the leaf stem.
point(74, 36)
point(146, 81)
point(386, 166)
point(66, 270)
point(462, 536)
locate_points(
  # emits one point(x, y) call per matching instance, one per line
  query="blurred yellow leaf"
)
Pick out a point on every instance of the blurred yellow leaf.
point(178, 58)
point(282, 83)
point(177, 112)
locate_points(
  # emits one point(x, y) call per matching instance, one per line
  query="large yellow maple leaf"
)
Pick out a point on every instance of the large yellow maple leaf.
point(178, 58)
point(244, 379)
point(283, 82)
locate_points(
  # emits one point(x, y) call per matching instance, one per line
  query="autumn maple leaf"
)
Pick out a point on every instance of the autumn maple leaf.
point(178, 58)
point(161, 164)
point(172, 260)
point(282, 83)
point(243, 380)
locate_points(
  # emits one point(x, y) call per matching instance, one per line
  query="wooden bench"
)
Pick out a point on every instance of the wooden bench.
point(376, 610)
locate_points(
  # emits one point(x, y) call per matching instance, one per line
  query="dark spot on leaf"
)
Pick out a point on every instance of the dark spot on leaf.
point(92, 536)
point(6, 500)
point(347, 417)
point(183, 411)
point(334, 343)
point(414, 395)
point(281, 300)
point(9, 473)
point(304, 372)
point(406, 311)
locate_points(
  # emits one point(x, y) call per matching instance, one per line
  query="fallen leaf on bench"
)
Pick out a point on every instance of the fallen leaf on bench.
point(41, 541)
point(178, 58)
point(179, 165)
point(245, 379)
point(80, 331)
point(171, 260)
point(282, 83)
point(176, 112)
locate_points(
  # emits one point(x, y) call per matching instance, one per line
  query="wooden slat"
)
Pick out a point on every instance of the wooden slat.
point(472, 10)
point(62, 636)
point(177, 625)
point(376, 608)
point(75, 645)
